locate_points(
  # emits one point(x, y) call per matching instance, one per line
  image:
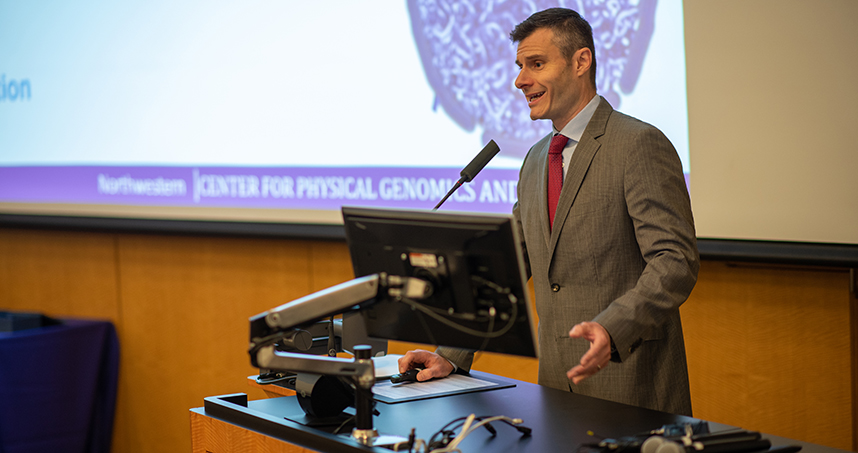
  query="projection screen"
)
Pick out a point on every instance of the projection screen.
point(272, 113)
point(280, 111)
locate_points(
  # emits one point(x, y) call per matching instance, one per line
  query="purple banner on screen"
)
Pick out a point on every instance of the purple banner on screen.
point(320, 188)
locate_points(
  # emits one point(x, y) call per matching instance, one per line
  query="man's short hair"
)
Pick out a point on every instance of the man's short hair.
point(571, 32)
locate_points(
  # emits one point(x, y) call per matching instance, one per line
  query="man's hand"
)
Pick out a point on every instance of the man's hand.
point(434, 366)
point(596, 358)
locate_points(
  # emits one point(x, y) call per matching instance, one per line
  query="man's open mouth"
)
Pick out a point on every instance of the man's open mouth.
point(535, 96)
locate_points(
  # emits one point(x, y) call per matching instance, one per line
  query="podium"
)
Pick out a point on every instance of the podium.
point(560, 422)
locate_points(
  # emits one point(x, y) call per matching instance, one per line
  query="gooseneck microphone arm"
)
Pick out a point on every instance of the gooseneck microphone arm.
point(470, 172)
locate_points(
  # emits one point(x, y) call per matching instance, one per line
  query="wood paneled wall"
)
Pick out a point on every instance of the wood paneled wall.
point(769, 348)
point(180, 305)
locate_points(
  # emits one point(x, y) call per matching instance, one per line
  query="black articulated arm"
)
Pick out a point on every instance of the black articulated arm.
point(284, 323)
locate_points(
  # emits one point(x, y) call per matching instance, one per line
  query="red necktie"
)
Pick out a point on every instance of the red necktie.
point(555, 174)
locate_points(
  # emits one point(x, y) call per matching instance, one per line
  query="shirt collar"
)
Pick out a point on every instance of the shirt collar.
point(574, 129)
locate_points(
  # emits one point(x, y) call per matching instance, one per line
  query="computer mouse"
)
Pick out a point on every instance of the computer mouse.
point(408, 376)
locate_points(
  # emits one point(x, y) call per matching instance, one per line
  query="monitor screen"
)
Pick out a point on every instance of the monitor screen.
point(474, 266)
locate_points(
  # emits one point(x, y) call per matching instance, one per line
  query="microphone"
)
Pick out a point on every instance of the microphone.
point(723, 447)
point(470, 171)
point(733, 442)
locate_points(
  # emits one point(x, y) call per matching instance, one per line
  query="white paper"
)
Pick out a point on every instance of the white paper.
point(452, 383)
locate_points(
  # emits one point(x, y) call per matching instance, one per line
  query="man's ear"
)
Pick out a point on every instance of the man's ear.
point(583, 60)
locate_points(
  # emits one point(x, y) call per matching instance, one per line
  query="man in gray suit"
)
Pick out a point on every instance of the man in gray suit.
point(619, 255)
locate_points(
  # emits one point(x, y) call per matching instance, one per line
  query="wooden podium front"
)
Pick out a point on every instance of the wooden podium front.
point(210, 435)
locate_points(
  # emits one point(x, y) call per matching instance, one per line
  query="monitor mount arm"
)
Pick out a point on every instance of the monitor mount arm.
point(284, 325)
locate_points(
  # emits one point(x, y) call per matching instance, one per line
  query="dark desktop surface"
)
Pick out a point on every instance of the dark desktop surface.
point(560, 420)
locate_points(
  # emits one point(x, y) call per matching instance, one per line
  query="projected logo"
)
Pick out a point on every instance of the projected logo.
point(469, 60)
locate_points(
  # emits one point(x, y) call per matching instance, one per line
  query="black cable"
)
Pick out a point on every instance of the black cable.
point(263, 379)
point(343, 424)
point(448, 431)
point(411, 438)
point(441, 315)
point(426, 328)
point(489, 329)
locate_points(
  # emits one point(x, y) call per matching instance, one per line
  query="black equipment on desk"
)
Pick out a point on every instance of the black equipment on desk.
point(688, 438)
point(473, 266)
point(426, 277)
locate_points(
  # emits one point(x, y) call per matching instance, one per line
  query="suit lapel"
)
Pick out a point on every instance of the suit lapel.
point(578, 167)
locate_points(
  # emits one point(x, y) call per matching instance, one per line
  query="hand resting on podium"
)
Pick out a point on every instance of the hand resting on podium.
point(434, 366)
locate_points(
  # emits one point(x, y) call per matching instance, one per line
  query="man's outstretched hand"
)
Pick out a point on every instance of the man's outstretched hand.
point(596, 358)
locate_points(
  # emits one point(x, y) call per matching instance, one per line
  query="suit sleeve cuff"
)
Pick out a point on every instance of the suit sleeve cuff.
point(455, 367)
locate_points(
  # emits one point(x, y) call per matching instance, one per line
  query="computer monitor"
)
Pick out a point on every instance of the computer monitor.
point(474, 263)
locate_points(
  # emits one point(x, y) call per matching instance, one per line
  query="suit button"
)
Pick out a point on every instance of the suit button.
point(635, 345)
point(555, 287)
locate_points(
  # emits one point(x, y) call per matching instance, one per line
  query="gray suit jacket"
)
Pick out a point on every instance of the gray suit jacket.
point(622, 253)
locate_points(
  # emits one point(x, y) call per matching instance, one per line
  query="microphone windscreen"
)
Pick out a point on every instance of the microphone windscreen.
point(488, 152)
point(671, 447)
point(651, 444)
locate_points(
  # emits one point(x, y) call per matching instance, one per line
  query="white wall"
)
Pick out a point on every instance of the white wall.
point(773, 118)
